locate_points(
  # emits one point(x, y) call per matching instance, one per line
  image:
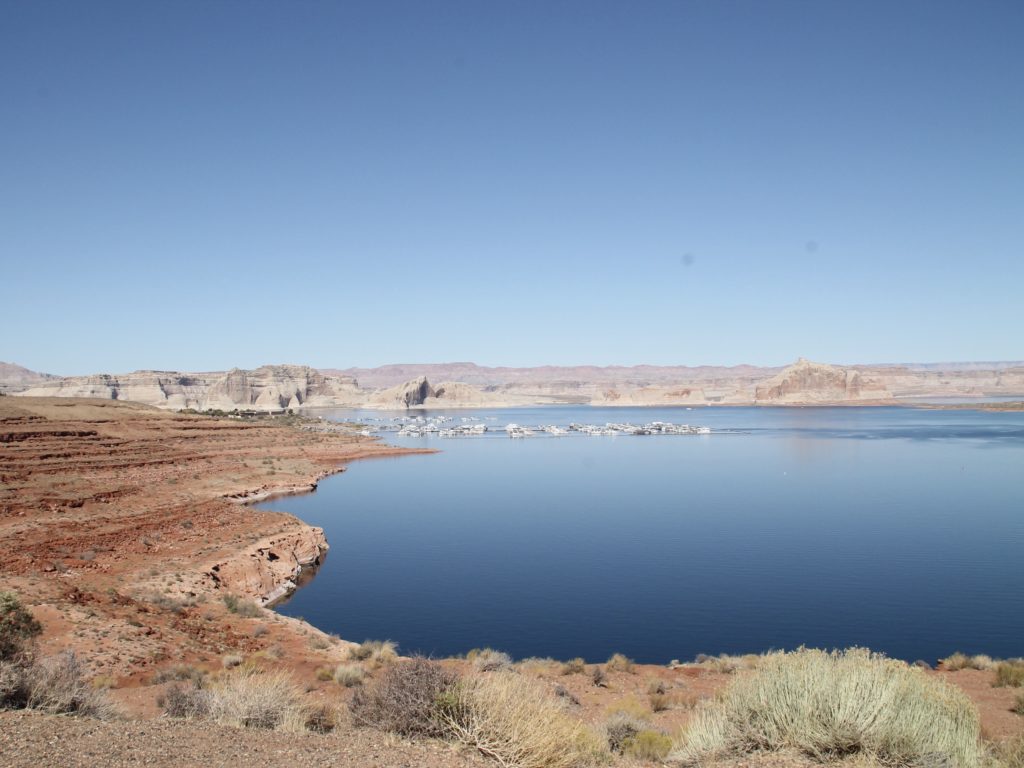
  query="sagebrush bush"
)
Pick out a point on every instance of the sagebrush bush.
point(405, 699)
point(834, 704)
point(516, 721)
point(18, 627)
point(1010, 673)
point(349, 675)
point(620, 727)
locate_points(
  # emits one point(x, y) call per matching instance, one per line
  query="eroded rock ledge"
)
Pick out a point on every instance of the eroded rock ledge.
point(267, 570)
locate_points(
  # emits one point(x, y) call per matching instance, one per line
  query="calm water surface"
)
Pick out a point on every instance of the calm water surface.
point(897, 529)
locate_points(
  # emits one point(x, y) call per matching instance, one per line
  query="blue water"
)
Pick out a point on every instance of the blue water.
point(897, 529)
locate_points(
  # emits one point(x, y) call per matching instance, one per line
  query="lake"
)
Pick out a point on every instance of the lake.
point(899, 529)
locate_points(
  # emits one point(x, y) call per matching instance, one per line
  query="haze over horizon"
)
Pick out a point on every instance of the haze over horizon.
point(196, 186)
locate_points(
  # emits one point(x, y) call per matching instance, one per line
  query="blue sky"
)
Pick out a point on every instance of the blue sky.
point(199, 185)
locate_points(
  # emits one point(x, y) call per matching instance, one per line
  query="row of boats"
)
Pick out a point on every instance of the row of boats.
point(518, 431)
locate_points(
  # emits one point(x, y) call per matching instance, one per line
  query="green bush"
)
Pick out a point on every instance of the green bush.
point(834, 704)
point(18, 627)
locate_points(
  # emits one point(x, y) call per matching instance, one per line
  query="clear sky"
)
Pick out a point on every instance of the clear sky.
point(199, 185)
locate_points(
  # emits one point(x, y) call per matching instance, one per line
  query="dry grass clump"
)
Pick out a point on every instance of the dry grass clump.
point(960, 661)
point(1010, 673)
point(575, 666)
point(406, 699)
point(835, 704)
point(619, 663)
point(1010, 753)
point(659, 701)
point(349, 675)
point(378, 652)
point(247, 609)
point(1018, 704)
point(248, 699)
point(515, 720)
point(489, 660)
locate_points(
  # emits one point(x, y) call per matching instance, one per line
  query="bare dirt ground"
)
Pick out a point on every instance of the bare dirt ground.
point(121, 531)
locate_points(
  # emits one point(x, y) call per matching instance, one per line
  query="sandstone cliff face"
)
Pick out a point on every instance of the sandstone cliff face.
point(271, 387)
point(807, 382)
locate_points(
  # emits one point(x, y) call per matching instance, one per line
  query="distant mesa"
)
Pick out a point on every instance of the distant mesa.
point(807, 382)
point(280, 387)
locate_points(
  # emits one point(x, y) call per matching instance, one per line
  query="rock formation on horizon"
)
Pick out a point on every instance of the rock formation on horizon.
point(807, 382)
point(276, 387)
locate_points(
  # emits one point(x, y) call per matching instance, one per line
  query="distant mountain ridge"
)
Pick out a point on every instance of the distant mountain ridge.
point(466, 385)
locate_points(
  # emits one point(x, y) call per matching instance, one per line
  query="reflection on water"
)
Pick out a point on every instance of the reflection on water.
point(894, 528)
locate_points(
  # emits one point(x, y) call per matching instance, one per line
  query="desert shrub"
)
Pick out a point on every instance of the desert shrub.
point(1010, 673)
point(377, 651)
point(18, 627)
point(405, 699)
point(349, 675)
point(648, 744)
point(516, 721)
point(620, 728)
point(323, 674)
point(57, 685)
point(188, 703)
point(960, 661)
point(247, 699)
point(247, 609)
point(619, 663)
point(260, 630)
point(835, 704)
point(599, 677)
point(489, 660)
point(231, 661)
point(575, 666)
point(1018, 704)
